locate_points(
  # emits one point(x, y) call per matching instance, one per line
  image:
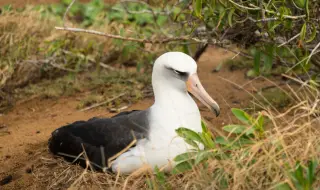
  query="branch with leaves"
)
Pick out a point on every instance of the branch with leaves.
point(272, 33)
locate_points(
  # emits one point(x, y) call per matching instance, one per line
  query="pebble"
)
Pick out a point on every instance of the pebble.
point(6, 180)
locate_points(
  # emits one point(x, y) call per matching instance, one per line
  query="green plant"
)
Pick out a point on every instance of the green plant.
point(187, 160)
point(302, 177)
point(252, 128)
point(278, 33)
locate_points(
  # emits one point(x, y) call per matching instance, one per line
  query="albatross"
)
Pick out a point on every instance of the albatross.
point(154, 129)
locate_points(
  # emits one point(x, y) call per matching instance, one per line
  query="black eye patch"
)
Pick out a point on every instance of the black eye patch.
point(180, 73)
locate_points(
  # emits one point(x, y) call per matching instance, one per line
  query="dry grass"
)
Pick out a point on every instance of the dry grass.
point(36, 60)
point(33, 49)
point(292, 137)
point(19, 32)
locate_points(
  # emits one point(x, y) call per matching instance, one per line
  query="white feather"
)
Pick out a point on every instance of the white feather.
point(173, 108)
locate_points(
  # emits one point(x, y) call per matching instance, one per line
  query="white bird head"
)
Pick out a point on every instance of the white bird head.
point(178, 71)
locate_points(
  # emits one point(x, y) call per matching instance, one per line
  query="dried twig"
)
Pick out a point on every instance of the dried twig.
point(255, 7)
point(264, 19)
point(65, 14)
point(294, 37)
point(84, 172)
point(313, 52)
point(79, 158)
point(117, 110)
point(157, 41)
point(112, 158)
point(102, 103)
point(245, 7)
point(139, 12)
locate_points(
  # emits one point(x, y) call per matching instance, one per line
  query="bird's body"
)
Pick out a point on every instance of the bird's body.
point(154, 129)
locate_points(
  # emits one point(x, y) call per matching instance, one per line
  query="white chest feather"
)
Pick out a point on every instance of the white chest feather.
point(163, 144)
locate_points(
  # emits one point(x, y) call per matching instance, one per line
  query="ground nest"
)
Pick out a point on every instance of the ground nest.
point(266, 164)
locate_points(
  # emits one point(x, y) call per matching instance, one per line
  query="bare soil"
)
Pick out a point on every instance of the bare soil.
point(25, 130)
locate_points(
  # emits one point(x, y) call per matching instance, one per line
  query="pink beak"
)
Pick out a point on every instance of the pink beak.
point(195, 87)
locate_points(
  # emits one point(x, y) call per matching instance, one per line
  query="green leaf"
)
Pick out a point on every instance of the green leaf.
point(161, 20)
point(311, 172)
point(204, 126)
point(209, 142)
point(197, 6)
point(149, 183)
point(182, 167)
point(288, 24)
point(7, 7)
point(243, 141)
point(250, 131)
point(252, 73)
point(160, 176)
point(300, 3)
point(185, 156)
point(284, 11)
point(307, 8)
point(259, 123)
point(203, 155)
point(204, 140)
point(303, 31)
point(298, 173)
point(222, 141)
point(283, 186)
point(230, 15)
point(235, 129)
point(268, 58)
point(313, 34)
point(192, 143)
point(274, 26)
point(242, 115)
point(218, 68)
point(256, 61)
point(188, 134)
point(185, 49)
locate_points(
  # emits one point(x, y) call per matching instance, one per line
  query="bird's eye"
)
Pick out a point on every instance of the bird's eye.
point(179, 72)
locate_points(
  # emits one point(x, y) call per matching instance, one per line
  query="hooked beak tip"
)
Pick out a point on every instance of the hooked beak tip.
point(216, 111)
point(194, 87)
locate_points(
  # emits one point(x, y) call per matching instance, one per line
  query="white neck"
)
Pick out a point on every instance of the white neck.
point(173, 108)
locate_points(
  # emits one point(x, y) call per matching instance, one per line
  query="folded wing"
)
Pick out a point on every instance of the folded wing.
point(100, 138)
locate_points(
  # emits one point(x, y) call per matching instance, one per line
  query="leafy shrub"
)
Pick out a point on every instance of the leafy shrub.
point(278, 33)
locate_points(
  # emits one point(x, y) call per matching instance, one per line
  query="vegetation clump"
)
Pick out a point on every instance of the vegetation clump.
point(265, 149)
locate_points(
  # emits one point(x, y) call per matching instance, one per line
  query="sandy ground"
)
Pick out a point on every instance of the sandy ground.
point(24, 131)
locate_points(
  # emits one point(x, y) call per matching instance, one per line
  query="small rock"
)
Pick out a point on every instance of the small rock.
point(208, 118)
point(28, 170)
point(38, 132)
point(6, 180)
point(235, 102)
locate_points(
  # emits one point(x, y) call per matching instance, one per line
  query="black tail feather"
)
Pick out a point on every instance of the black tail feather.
point(64, 143)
